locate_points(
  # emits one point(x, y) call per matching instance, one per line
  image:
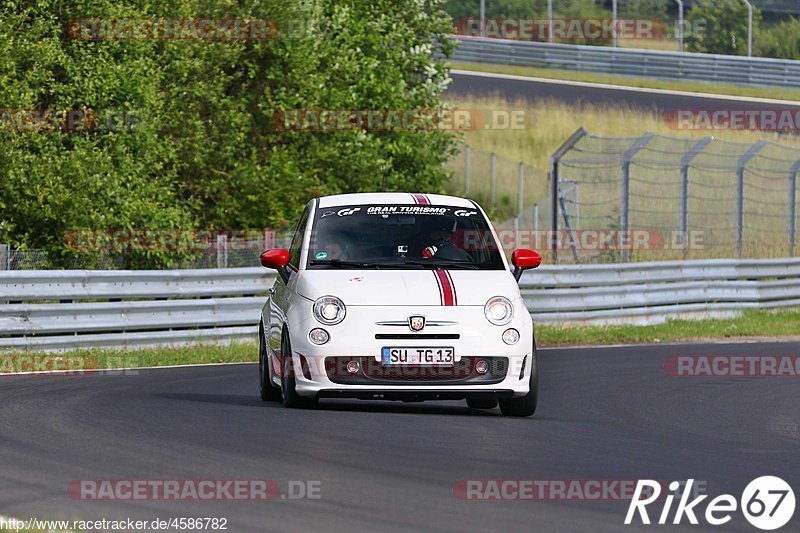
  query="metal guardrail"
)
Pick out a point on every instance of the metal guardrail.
point(647, 293)
point(39, 311)
point(757, 72)
point(57, 310)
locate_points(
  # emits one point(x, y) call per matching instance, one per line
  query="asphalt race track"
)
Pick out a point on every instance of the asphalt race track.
point(605, 413)
point(469, 84)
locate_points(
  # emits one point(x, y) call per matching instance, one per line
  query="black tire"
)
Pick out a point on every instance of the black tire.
point(524, 405)
point(290, 397)
point(482, 403)
point(269, 392)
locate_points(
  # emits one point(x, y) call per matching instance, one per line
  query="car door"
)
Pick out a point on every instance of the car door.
point(282, 292)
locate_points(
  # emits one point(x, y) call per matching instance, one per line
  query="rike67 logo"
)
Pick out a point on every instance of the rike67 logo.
point(767, 503)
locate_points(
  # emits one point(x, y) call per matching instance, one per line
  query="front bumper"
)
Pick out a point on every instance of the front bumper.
point(321, 371)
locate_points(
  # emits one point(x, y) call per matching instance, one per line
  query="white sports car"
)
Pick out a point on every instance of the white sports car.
point(397, 296)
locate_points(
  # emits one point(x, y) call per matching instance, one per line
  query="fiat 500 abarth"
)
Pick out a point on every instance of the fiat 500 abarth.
point(397, 296)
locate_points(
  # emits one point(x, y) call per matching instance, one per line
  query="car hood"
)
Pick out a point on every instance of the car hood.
point(408, 287)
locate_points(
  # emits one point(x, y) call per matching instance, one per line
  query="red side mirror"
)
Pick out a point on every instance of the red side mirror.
point(525, 259)
point(277, 258)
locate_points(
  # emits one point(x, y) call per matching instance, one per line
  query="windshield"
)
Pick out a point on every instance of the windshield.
point(402, 236)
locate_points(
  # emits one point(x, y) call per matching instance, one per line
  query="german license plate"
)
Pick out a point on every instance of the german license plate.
point(407, 356)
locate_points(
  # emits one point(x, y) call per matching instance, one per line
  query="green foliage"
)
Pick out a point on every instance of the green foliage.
point(781, 42)
point(644, 9)
point(205, 151)
point(725, 23)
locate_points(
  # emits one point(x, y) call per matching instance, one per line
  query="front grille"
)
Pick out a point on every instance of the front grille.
point(438, 336)
point(372, 372)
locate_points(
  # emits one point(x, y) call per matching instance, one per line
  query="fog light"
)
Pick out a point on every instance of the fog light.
point(318, 336)
point(353, 367)
point(481, 367)
point(511, 336)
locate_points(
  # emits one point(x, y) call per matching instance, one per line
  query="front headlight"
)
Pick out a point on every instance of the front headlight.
point(329, 310)
point(498, 310)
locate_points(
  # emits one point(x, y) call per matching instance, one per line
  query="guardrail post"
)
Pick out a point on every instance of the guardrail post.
point(686, 160)
point(793, 206)
point(493, 178)
point(555, 161)
point(625, 192)
point(466, 171)
point(740, 167)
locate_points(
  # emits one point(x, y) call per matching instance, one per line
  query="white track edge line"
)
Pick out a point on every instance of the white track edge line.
point(709, 96)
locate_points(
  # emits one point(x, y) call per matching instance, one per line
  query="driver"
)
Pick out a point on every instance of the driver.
point(440, 237)
point(338, 246)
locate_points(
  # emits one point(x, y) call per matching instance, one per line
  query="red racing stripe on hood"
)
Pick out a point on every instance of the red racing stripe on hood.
point(447, 291)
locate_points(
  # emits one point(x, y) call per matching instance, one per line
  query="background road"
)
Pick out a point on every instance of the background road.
point(604, 413)
point(467, 84)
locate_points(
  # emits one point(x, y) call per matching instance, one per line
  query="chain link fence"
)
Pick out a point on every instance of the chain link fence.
point(680, 197)
point(644, 198)
point(221, 252)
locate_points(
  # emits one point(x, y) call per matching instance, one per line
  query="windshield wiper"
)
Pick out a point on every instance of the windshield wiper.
point(441, 264)
point(357, 264)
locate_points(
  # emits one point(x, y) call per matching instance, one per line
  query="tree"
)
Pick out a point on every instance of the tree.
point(781, 42)
point(726, 25)
point(205, 151)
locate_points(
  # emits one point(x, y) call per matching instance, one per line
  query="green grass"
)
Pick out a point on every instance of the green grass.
point(102, 358)
point(752, 323)
point(778, 93)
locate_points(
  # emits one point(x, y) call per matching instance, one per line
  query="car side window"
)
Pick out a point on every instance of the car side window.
point(297, 240)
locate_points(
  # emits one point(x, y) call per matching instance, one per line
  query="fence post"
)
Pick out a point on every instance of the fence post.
point(5, 256)
point(793, 206)
point(493, 179)
point(740, 193)
point(686, 160)
point(625, 192)
point(466, 171)
point(555, 161)
point(222, 250)
point(269, 239)
point(521, 204)
point(614, 22)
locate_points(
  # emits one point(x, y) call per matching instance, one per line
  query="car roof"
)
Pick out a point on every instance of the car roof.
point(398, 198)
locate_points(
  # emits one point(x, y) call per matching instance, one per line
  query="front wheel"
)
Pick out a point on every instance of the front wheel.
point(524, 405)
point(288, 382)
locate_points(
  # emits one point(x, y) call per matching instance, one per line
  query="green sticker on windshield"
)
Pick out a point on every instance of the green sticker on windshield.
point(321, 255)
